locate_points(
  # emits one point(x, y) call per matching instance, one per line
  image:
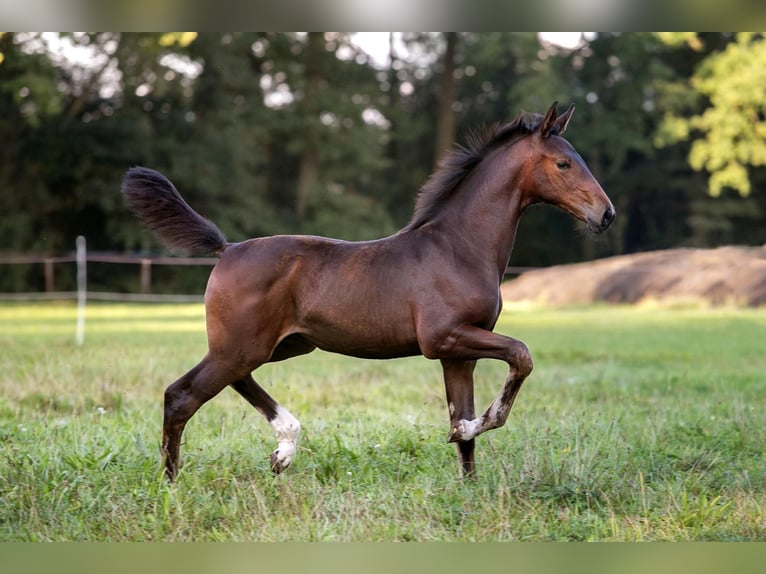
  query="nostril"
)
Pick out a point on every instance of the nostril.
point(608, 218)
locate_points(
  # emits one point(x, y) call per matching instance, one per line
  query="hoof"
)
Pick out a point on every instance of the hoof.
point(277, 465)
point(280, 459)
point(287, 428)
point(456, 434)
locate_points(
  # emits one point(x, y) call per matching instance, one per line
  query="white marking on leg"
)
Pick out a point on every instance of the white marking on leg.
point(287, 428)
point(469, 429)
point(466, 430)
point(496, 415)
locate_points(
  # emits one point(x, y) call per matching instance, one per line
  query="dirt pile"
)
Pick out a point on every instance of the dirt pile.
point(722, 276)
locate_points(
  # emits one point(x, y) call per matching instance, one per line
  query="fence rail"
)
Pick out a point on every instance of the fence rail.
point(145, 264)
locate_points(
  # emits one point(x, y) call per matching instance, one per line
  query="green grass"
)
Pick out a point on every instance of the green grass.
point(635, 425)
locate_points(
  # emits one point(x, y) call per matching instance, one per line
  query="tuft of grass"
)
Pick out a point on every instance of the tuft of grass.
point(636, 424)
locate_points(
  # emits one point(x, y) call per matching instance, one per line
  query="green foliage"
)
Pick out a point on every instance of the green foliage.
point(733, 126)
point(635, 425)
point(338, 213)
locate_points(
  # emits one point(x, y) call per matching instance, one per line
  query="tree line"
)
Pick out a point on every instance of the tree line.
point(269, 133)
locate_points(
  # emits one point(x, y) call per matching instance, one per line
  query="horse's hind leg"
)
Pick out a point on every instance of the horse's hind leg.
point(458, 382)
point(182, 399)
point(284, 424)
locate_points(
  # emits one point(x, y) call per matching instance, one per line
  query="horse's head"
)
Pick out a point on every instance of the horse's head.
point(555, 173)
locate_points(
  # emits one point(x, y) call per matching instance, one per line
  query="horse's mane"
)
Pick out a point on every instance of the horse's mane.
point(461, 160)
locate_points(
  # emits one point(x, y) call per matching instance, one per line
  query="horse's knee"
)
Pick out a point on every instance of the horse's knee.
point(178, 404)
point(170, 398)
point(522, 360)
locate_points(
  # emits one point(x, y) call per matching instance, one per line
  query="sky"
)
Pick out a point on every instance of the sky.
point(376, 43)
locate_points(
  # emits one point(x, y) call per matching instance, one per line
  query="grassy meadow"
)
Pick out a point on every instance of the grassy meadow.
point(636, 424)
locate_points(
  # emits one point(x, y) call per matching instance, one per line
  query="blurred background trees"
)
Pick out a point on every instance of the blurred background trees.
point(270, 133)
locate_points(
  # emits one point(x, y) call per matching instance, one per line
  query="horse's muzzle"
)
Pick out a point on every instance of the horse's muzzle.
point(599, 226)
point(608, 218)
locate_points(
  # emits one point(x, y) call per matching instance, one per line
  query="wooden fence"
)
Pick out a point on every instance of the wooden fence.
point(143, 263)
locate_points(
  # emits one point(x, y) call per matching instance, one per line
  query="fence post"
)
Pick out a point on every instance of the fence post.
point(146, 275)
point(82, 289)
point(48, 272)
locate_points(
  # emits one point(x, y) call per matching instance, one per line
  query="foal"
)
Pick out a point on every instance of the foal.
point(430, 289)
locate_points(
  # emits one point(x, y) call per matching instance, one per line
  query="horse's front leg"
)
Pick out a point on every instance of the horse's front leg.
point(458, 382)
point(495, 415)
point(470, 343)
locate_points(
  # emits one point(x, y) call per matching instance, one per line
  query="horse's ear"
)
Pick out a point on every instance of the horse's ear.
point(563, 120)
point(549, 122)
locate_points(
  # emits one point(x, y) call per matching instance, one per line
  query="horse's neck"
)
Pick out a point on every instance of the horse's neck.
point(482, 219)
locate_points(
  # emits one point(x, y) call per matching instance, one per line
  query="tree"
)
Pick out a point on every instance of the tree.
point(410, 99)
point(101, 113)
point(445, 118)
point(327, 135)
point(315, 80)
point(733, 125)
point(215, 144)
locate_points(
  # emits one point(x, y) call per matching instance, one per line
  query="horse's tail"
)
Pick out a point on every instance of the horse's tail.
point(157, 203)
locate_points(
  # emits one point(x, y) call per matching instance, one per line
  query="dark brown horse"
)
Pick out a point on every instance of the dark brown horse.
point(430, 289)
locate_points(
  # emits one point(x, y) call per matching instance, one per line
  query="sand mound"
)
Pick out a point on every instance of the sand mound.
point(722, 276)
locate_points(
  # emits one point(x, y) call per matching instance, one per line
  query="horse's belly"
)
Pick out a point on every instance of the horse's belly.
point(375, 351)
point(364, 338)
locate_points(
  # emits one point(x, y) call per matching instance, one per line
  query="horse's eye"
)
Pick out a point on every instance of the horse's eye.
point(564, 164)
